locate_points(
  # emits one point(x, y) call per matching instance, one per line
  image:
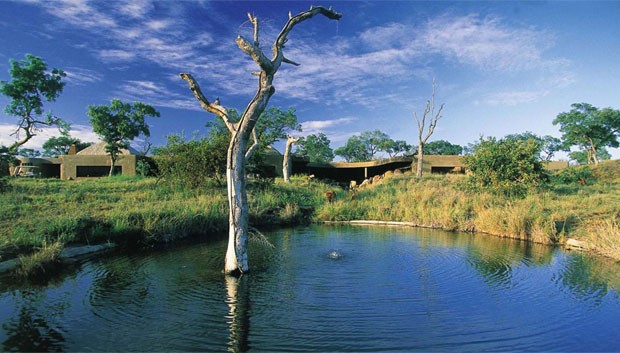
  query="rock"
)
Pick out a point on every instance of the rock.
point(365, 183)
point(574, 244)
point(376, 179)
point(398, 172)
point(8, 265)
point(352, 184)
point(73, 252)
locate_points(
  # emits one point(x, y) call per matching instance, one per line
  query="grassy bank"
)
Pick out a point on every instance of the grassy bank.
point(589, 212)
point(40, 217)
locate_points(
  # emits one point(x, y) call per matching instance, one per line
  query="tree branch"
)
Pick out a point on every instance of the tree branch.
point(278, 56)
point(211, 107)
point(250, 151)
point(255, 53)
point(254, 21)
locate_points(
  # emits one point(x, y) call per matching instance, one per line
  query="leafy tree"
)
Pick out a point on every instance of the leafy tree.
point(7, 160)
point(508, 165)
point(29, 152)
point(192, 163)
point(394, 148)
point(547, 145)
point(364, 146)
point(59, 145)
point(354, 150)
point(442, 147)
point(315, 148)
point(585, 156)
point(374, 141)
point(590, 129)
point(550, 145)
point(30, 85)
point(119, 123)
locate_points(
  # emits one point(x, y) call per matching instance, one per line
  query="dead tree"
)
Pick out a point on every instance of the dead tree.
point(287, 166)
point(238, 150)
point(429, 113)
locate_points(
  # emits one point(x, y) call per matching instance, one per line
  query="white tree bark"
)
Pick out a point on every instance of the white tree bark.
point(287, 166)
point(432, 124)
point(238, 151)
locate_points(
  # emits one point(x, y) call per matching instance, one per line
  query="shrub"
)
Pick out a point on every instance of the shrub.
point(193, 163)
point(4, 185)
point(572, 175)
point(508, 166)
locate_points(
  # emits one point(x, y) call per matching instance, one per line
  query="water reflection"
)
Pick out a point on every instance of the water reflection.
point(30, 331)
point(582, 276)
point(238, 301)
point(393, 290)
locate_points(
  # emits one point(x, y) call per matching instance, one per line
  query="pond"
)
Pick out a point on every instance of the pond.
point(326, 289)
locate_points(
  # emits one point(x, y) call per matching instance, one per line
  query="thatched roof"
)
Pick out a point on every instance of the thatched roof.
point(98, 149)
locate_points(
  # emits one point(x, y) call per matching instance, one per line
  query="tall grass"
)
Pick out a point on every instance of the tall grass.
point(140, 211)
point(135, 211)
point(548, 215)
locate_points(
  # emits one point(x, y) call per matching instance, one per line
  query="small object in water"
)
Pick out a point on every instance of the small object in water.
point(335, 255)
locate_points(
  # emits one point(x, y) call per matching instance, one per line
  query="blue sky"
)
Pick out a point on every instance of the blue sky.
point(500, 67)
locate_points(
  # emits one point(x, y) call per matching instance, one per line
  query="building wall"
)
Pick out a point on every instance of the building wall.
point(69, 164)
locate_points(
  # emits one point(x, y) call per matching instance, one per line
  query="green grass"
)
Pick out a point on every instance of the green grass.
point(39, 217)
point(548, 215)
point(135, 211)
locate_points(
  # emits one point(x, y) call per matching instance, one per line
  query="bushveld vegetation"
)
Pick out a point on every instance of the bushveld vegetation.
point(39, 217)
point(580, 202)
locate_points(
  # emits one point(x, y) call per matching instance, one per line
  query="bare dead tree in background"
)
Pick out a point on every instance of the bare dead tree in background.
point(432, 118)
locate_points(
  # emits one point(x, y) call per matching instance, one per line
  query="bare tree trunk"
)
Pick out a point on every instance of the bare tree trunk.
point(592, 152)
point(434, 117)
point(238, 216)
point(418, 171)
point(238, 152)
point(287, 166)
point(112, 165)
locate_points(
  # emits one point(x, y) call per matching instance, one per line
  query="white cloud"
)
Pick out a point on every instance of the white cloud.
point(486, 43)
point(116, 55)
point(314, 126)
point(514, 98)
point(79, 76)
point(155, 94)
point(82, 132)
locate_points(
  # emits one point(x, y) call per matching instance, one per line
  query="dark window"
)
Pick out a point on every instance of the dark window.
point(96, 171)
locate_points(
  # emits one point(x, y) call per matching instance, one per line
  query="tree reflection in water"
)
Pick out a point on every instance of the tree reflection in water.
point(238, 300)
point(30, 332)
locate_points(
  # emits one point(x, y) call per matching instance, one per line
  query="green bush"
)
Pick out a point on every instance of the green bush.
point(508, 166)
point(194, 163)
point(4, 185)
point(572, 175)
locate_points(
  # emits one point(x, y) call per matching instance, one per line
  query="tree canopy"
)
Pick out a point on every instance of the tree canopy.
point(547, 145)
point(354, 150)
point(365, 146)
point(442, 147)
point(59, 145)
point(119, 123)
point(30, 85)
point(192, 163)
point(510, 165)
point(316, 148)
point(589, 129)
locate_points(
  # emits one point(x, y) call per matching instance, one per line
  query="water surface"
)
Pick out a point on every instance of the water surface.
point(326, 289)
